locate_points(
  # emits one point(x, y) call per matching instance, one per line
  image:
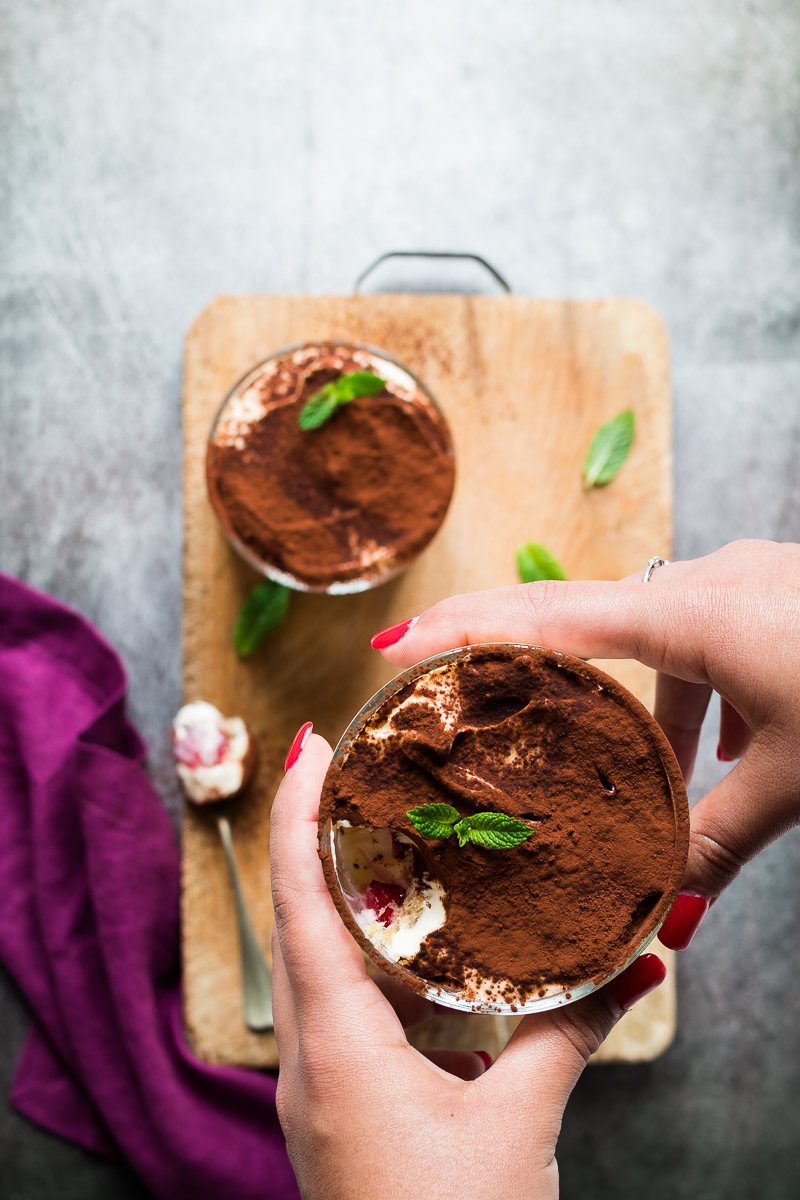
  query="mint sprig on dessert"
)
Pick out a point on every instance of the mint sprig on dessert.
point(496, 831)
point(609, 449)
point(321, 405)
point(493, 830)
point(434, 820)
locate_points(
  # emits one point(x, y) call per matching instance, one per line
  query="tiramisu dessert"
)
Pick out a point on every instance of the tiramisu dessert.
point(215, 756)
point(330, 467)
point(504, 828)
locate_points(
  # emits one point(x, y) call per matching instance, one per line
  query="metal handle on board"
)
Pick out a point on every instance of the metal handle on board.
point(430, 254)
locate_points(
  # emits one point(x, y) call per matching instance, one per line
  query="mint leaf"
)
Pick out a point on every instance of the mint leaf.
point(318, 408)
point(359, 383)
point(262, 611)
point(434, 820)
point(321, 406)
point(609, 449)
point(534, 562)
point(496, 831)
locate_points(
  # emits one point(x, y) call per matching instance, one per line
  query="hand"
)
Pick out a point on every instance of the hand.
point(728, 622)
point(366, 1115)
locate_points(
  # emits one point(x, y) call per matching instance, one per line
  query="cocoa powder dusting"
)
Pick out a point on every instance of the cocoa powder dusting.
point(360, 496)
point(546, 738)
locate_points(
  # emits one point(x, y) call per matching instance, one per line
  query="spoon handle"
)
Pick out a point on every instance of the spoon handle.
point(256, 977)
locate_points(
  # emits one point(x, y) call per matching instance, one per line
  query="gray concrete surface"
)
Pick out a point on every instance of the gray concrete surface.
point(157, 152)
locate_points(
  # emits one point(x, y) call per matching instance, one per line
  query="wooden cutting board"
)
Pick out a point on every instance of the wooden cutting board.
point(524, 384)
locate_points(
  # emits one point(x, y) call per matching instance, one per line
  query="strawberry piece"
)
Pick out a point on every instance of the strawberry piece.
point(386, 899)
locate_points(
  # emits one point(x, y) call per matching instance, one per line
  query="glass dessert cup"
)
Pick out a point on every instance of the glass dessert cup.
point(377, 552)
point(390, 884)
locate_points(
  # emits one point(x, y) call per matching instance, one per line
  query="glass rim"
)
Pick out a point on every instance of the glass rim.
point(339, 587)
point(556, 995)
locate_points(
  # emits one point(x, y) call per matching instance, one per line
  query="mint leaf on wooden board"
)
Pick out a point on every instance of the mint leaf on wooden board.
point(495, 831)
point(534, 563)
point(321, 405)
point(609, 449)
point(434, 820)
point(263, 610)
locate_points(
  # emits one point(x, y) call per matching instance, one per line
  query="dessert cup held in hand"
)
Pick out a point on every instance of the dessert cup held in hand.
point(571, 760)
point(343, 506)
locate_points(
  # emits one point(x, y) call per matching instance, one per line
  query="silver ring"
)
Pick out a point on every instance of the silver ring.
point(652, 564)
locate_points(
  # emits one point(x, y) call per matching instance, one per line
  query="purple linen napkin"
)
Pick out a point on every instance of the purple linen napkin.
point(89, 928)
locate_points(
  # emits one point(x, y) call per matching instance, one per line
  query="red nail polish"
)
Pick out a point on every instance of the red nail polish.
point(388, 637)
point(723, 757)
point(296, 748)
point(485, 1056)
point(681, 924)
point(637, 980)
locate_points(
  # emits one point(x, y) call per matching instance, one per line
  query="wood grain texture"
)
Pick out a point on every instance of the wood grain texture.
point(524, 384)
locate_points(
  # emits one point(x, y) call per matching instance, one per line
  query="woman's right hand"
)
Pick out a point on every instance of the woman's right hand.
point(728, 622)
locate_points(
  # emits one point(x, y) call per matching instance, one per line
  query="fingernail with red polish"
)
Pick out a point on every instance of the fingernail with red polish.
point(296, 748)
point(637, 980)
point(388, 637)
point(485, 1057)
point(682, 923)
point(723, 757)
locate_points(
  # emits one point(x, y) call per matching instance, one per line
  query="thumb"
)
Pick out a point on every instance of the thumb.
point(321, 960)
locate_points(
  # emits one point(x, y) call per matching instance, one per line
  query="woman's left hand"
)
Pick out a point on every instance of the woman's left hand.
point(364, 1113)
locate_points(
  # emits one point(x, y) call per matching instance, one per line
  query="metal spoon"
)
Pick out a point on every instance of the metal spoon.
point(256, 975)
point(209, 729)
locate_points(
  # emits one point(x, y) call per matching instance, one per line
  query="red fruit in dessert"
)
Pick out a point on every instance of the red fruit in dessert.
point(386, 899)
